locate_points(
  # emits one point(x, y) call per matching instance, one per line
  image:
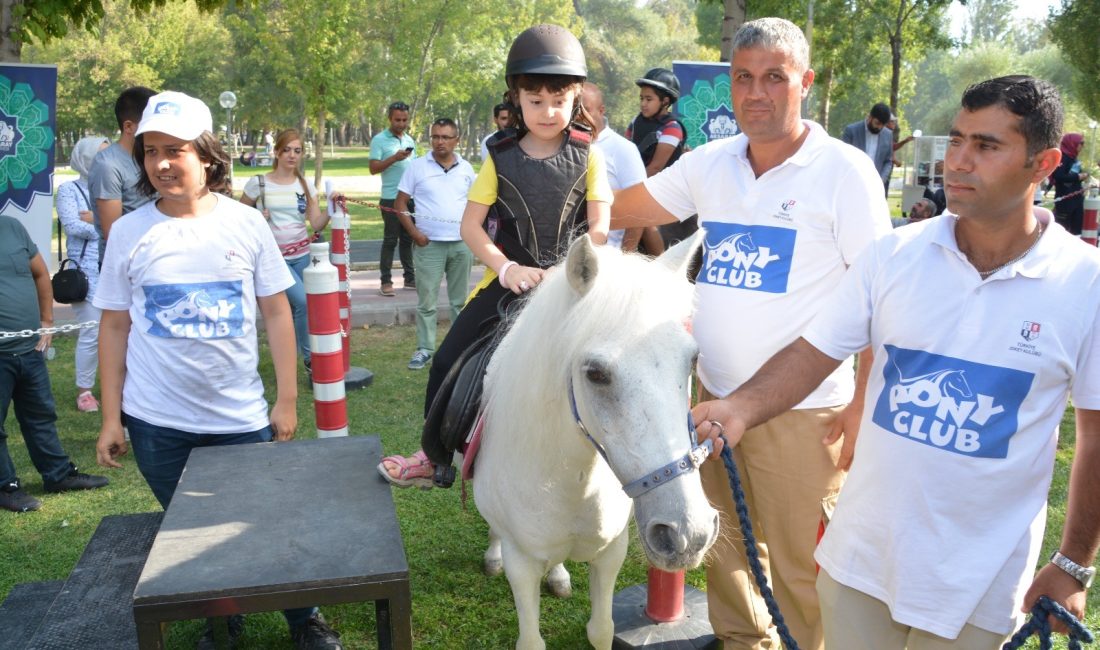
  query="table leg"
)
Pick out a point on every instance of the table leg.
point(149, 635)
point(400, 618)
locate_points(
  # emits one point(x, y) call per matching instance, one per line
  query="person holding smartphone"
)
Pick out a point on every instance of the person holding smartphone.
point(390, 152)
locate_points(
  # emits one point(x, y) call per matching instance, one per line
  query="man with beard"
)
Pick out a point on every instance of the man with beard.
point(872, 137)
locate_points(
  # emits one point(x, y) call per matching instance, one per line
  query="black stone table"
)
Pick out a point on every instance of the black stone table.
point(271, 526)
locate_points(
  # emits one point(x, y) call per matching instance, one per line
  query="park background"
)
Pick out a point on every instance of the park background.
point(331, 67)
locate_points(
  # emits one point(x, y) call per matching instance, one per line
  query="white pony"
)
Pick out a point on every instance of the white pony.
point(600, 355)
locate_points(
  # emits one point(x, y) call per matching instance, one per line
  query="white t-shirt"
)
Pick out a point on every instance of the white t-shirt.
point(870, 143)
point(624, 168)
point(190, 286)
point(775, 249)
point(943, 512)
point(286, 206)
point(485, 147)
point(440, 195)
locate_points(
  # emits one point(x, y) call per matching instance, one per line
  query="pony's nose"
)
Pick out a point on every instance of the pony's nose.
point(665, 538)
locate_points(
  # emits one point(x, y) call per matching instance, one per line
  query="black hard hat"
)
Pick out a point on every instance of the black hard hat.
point(546, 49)
point(662, 80)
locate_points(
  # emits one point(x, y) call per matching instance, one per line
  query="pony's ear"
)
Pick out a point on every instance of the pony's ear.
point(678, 258)
point(582, 265)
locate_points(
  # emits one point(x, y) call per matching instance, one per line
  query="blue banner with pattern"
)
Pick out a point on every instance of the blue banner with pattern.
point(704, 108)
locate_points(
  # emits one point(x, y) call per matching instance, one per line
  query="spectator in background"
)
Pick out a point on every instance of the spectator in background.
point(921, 210)
point(502, 114)
point(113, 178)
point(74, 211)
point(439, 182)
point(291, 215)
point(390, 152)
point(621, 158)
point(26, 303)
point(872, 137)
point(1069, 179)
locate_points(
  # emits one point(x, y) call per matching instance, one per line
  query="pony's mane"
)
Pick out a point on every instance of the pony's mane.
point(630, 297)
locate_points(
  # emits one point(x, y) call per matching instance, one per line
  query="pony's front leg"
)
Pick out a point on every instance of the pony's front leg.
point(602, 571)
point(525, 577)
point(492, 564)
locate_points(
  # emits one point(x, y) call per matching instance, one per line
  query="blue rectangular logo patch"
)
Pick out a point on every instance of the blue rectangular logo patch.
point(203, 310)
point(955, 405)
point(757, 258)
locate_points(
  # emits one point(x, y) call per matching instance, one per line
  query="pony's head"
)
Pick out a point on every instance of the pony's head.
point(613, 328)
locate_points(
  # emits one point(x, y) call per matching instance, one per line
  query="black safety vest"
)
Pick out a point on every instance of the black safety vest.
point(645, 132)
point(541, 204)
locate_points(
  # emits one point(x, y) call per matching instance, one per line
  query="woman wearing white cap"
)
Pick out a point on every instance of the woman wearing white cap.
point(181, 280)
point(74, 211)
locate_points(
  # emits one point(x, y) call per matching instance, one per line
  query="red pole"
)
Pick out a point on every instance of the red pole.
point(327, 342)
point(341, 251)
point(664, 596)
point(1088, 226)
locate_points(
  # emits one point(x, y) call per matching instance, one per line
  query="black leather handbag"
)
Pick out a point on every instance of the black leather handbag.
point(69, 284)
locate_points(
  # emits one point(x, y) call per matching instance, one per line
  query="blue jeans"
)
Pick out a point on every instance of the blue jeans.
point(161, 454)
point(25, 381)
point(296, 295)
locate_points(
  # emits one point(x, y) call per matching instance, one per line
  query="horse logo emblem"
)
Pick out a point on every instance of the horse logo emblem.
point(1030, 331)
point(209, 310)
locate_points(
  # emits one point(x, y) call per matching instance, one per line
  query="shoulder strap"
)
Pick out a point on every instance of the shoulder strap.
point(263, 192)
point(87, 201)
point(60, 241)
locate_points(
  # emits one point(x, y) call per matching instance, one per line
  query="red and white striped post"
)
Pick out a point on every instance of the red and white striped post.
point(1089, 224)
point(341, 244)
point(354, 377)
point(326, 338)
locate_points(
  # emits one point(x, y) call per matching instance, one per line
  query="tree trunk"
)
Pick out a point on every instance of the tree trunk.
point(319, 151)
point(11, 48)
point(825, 83)
point(733, 18)
point(895, 55)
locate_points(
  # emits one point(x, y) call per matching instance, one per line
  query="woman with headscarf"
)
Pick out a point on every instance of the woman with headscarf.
point(74, 210)
point(1068, 179)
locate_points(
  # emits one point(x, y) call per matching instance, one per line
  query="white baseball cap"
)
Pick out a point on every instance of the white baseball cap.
point(176, 114)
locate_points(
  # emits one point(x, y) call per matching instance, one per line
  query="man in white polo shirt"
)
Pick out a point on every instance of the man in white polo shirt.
point(621, 158)
point(438, 183)
point(982, 321)
point(786, 209)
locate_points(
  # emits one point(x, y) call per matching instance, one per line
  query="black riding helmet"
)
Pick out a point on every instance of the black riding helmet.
point(546, 49)
point(663, 81)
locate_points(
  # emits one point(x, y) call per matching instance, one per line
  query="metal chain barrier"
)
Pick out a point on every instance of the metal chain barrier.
point(60, 329)
point(1047, 202)
point(415, 215)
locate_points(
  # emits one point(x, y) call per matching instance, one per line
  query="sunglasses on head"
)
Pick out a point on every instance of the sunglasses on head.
point(398, 106)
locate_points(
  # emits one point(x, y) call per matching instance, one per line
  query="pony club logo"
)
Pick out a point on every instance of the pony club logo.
point(167, 108)
point(204, 310)
point(757, 258)
point(1030, 331)
point(950, 404)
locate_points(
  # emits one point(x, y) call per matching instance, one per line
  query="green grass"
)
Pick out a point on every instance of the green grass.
point(454, 605)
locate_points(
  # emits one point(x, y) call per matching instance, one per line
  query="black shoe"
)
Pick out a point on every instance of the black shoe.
point(315, 634)
point(12, 497)
point(236, 628)
point(76, 480)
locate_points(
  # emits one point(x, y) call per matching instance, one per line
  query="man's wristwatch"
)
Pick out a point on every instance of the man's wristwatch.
point(1084, 575)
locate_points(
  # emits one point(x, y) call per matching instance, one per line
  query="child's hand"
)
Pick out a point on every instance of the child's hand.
point(521, 279)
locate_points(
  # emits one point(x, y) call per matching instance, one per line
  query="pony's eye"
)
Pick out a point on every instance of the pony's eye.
point(598, 375)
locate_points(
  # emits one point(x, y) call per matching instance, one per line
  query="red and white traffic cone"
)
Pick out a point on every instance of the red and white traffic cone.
point(326, 341)
point(1088, 225)
point(340, 220)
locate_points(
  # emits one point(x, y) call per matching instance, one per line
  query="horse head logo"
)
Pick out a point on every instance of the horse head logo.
point(187, 307)
point(730, 247)
point(949, 383)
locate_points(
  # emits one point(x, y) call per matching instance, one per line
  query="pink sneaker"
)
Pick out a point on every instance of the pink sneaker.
point(86, 402)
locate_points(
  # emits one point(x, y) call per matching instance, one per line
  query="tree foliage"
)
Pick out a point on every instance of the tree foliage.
point(1076, 30)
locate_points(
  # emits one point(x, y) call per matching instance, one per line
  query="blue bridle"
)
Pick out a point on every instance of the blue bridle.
point(685, 464)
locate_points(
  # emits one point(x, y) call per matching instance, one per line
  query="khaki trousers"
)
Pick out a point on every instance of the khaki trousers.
point(790, 481)
point(856, 621)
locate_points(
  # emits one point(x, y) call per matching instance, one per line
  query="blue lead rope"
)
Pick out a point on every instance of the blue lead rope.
point(750, 549)
point(1038, 624)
